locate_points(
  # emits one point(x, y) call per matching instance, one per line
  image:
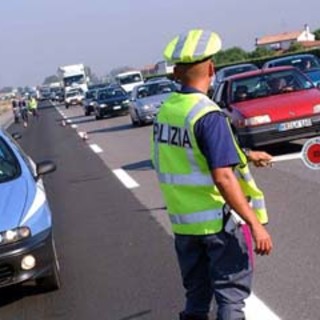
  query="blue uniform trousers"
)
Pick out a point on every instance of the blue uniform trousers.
point(215, 266)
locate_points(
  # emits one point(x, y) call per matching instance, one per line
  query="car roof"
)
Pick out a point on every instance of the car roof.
point(261, 71)
point(235, 66)
point(291, 57)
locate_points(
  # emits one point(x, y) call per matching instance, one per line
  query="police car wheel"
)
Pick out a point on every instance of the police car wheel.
point(52, 281)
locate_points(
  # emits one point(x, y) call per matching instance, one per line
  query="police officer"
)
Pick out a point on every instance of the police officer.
point(206, 183)
point(33, 106)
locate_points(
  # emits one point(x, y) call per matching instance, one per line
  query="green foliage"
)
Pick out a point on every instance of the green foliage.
point(231, 55)
point(261, 52)
point(295, 47)
point(51, 79)
point(317, 34)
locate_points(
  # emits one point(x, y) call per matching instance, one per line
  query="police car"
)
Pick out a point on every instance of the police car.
point(27, 250)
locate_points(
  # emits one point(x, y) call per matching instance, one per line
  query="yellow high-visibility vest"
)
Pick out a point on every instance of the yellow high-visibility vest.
point(193, 201)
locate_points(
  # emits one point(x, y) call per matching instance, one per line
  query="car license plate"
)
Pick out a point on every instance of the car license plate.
point(116, 107)
point(298, 124)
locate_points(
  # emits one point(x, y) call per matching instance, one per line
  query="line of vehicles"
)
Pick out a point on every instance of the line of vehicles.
point(260, 112)
point(278, 103)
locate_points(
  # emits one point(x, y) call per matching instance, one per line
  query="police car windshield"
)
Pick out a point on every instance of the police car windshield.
point(9, 166)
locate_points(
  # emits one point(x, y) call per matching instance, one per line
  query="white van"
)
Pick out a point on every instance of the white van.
point(128, 80)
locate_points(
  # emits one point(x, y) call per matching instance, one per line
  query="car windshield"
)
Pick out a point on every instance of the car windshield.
point(69, 81)
point(154, 89)
point(130, 78)
point(314, 75)
point(9, 166)
point(268, 84)
point(302, 63)
point(111, 93)
point(72, 94)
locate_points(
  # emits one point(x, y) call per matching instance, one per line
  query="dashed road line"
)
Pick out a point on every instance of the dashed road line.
point(125, 179)
point(74, 126)
point(95, 148)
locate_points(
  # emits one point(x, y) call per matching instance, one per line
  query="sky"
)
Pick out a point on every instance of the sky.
point(38, 36)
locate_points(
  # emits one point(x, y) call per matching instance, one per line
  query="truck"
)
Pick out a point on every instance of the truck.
point(73, 77)
point(129, 79)
point(163, 68)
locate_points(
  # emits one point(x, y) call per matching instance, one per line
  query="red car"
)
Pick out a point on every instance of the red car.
point(270, 106)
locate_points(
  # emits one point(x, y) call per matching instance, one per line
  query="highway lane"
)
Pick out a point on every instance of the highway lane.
point(287, 281)
point(116, 262)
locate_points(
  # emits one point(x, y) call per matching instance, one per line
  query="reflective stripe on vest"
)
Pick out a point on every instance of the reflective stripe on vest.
point(195, 217)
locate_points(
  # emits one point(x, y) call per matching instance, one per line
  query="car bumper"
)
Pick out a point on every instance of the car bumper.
point(147, 117)
point(11, 255)
point(270, 134)
point(110, 110)
point(88, 108)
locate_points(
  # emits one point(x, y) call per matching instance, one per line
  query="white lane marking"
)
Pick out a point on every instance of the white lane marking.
point(125, 179)
point(95, 148)
point(255, 308)
point(74, 126)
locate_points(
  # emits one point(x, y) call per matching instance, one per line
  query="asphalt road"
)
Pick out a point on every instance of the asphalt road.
point(115, 244)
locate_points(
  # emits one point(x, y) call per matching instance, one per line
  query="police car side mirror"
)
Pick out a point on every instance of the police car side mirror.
point(45, 167)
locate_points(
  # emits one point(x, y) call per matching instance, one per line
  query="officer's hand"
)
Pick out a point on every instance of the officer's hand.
point(260, 158)
point(262, 240)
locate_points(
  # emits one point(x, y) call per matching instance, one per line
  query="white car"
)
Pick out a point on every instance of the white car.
point(73, 97)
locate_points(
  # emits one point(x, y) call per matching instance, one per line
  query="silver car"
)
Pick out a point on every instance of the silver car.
point(146, 100)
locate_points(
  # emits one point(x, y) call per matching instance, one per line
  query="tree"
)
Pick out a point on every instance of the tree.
point(231, 55)
point(91, 75)
point(295, 47)
point(317, 34)
point(261, 52)
point(51, 79)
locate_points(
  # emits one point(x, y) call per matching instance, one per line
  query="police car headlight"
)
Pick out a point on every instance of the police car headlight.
point(316, 108)
point(14, 235)
point(103, 105)
point(91, 104)
point(146, 107)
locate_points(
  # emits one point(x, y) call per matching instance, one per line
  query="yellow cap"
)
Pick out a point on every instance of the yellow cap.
point(194, 46)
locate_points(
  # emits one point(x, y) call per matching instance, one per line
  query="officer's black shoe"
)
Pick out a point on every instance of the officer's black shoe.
point(184, 316)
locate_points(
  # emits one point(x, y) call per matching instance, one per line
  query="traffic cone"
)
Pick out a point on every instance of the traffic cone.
point(85, 136)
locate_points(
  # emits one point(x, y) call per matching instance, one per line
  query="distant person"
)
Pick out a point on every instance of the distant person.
point(241, 93)
point(24, 112)
point(279, 85)
point(33, 106)
point(15, 110)
point(307, 65)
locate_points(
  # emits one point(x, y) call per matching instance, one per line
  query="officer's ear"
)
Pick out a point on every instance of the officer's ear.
point(211, 69)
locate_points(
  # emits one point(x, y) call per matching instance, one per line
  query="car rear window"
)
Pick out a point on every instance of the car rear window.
point(9, 165)
point(112, 93)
